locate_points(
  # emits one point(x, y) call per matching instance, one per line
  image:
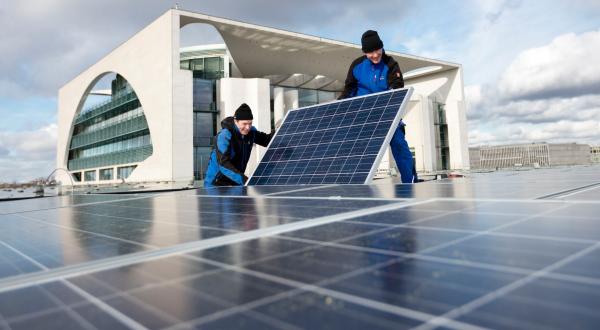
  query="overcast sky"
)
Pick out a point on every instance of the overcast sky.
point(531, 68)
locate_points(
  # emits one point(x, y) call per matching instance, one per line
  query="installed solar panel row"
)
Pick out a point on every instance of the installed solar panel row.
point(456, 255)
point(339, 142)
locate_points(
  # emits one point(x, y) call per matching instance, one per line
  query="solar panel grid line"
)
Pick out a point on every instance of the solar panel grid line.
point(193, 211)
point(82, 204)
point(443, 260)
point(319, 288)
point(340, 198)
point(472, 234)
point(178, 281)
point(163, 222)
point(297, 190)
point(581, 190)
point(507, 235)
point(67, 309)
point(568, 191)
point(64, 272)
point(244, 308)
point(339, 243)
point(93, 300)
point(277, 132)
point(520, 201)
point(485, 232)
point(322, 149)
point(86, 232)
point(481, 301)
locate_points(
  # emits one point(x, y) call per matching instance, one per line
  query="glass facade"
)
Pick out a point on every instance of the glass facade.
point(442, 145)
point(90, 176)
point(124, 172)
point(206, 71)
point(106, 174)
point(111, 133)
point(308, 97)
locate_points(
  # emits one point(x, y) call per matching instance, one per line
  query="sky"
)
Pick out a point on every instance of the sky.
point(531, 68)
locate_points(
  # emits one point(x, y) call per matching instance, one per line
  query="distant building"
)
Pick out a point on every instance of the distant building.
point(529, 155)
point(166, 102)
point(595, 154)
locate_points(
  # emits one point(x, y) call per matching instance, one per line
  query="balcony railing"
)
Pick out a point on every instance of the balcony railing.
point(105, 107)
point(115, 158)
point(117, 130)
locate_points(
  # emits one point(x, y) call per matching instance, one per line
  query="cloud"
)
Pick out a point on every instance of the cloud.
point(27, 154)
point(587, 132)
point(4, 151)
point(47, 43)
point(549, 93)
point(564, 68)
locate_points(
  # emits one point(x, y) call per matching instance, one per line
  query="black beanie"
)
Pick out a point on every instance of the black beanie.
point(243, 113)
point(370, 41)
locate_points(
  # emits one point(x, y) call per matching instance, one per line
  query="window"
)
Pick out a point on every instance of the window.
point(125, 171)
point(204, 94)
point(76, 176)
point(197, 64)
point(325, 96)
point(307, 97)
point(90, 176)
point(204, 129)
point(106, 174)
point(184, 65)
point(201, 158)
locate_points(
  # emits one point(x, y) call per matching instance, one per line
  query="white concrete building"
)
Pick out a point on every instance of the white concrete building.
point(167, 102)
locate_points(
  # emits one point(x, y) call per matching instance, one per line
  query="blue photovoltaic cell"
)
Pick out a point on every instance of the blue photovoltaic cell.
point(337, 142)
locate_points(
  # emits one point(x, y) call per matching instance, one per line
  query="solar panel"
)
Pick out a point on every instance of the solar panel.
point(340, 142)
point(292, 257)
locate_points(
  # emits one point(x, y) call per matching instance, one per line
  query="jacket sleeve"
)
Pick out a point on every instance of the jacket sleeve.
point(263, 139)
point(394, 78)
point(351, 83)
point(224, 158)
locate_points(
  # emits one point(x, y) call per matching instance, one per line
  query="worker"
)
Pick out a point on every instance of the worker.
point(231, 153)
point(374, 72)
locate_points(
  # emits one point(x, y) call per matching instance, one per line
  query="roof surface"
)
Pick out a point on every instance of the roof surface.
point(501, 250)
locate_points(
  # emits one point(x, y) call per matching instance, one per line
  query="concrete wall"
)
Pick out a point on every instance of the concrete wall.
point(474, 158)
point(569, 154)
point(149, 61)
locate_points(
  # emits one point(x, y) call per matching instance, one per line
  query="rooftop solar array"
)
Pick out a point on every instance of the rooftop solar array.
point(339, 142)
point(502, 250)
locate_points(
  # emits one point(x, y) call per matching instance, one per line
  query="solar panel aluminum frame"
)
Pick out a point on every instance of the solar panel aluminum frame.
point(399, 115)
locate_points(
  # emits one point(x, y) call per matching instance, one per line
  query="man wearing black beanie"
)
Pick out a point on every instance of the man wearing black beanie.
point(374, 72)
point(232, 149)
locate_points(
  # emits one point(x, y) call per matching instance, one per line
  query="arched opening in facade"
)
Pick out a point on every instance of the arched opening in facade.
point(110, 134)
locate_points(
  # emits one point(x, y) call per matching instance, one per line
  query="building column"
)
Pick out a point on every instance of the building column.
point(457, 123)
point(429, 153)
point(279, 110)
point(291, 99)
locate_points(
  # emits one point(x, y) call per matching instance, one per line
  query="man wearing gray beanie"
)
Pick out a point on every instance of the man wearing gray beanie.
point(374, 72)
